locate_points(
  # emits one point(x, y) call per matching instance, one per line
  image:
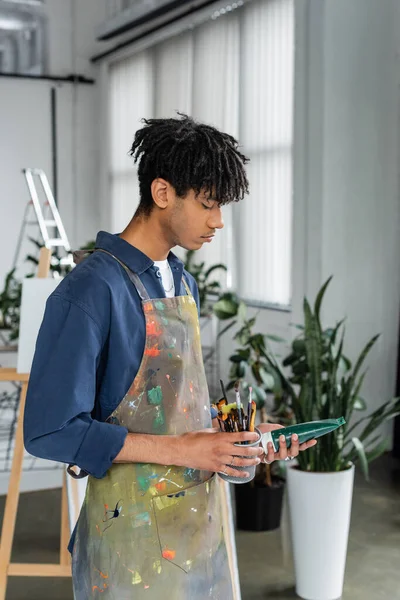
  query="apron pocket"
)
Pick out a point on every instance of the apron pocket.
point(189, 525)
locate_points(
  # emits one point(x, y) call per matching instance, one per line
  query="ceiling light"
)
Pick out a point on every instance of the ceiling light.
point(11, 24)
point(26, 2)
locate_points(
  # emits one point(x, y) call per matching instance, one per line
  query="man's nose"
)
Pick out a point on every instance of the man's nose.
point(216, 220)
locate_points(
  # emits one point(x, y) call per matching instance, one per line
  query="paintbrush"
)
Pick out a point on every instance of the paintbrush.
point(253, 416)
point(223, 389)
point(249, 406)
point(238, 404)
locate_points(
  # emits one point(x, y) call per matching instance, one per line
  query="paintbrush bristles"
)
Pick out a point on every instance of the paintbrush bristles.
point(232, 416)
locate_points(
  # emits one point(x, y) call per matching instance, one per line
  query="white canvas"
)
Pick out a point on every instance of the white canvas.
point(35, 292)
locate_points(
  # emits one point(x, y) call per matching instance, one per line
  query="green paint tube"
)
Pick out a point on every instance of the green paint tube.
point(305, 431)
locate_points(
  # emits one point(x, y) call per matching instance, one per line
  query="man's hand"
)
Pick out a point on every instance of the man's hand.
point(212, 450)
point(283, 452)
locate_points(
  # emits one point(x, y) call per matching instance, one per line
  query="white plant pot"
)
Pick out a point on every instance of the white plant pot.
point(320, 509)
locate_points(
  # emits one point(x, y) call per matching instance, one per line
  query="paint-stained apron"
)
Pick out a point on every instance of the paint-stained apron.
point(155, 531)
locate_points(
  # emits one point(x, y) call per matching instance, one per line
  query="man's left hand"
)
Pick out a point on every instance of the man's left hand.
point(283, 453)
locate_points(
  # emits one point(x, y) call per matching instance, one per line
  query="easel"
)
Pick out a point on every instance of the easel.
point(8, 569)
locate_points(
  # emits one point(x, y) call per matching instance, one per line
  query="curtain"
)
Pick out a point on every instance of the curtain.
point(264, 221)
point(236, 73)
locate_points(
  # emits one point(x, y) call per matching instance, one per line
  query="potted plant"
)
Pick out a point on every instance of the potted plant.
point(10, 303)
point(206, 286)
point(259, 502)
point(324, 384)
point(10, 297)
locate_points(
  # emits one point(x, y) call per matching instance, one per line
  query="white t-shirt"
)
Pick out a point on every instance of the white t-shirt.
point(166, 277)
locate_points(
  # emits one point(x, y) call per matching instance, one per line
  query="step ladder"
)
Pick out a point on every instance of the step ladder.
point(46, 216)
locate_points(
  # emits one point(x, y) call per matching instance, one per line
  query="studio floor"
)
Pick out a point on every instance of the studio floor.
point(373, 565)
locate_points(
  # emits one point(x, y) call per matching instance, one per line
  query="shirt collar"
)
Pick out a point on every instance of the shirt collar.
point(132, 257)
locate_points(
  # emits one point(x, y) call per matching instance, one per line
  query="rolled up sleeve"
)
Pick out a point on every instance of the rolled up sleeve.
point(62, 389)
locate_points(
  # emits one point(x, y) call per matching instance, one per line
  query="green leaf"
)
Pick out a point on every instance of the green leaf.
point(259, 393)
point(241, 369)
point(361, 358)
point(354, 395)
point(318, 301)
point(336, 331)
point(237, 370)
point(359, 403)
point(275, 338)
point(225, 309)
point(313, 350)
point(289, 360)
point(214, 268)
point(300, 367)
point(36, 242)
point(346, 362)
point(244, 353)
point(267, 379)
point(242, 311)
point(257, 341)
point(236, 358)
point(299, 346)
point(359, 446)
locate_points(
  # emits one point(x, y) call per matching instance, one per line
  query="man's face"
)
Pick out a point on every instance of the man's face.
point(192, 221)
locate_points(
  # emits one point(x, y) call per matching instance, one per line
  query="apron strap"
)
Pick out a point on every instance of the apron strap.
point(135, 279)
point(187, 288)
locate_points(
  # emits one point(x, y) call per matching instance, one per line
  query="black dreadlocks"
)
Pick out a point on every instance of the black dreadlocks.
point(189, 155)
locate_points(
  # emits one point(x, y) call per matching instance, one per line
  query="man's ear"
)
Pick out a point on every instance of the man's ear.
point(160, 190)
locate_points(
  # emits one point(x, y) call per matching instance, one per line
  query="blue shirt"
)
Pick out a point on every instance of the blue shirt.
point(88, 352)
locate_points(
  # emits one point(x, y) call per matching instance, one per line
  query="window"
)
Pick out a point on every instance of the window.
point(264, 221)
point(23, 38)
point(236, 72)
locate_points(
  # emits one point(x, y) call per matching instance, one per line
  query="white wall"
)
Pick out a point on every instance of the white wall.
point(346, 173)
point(360, 200)
point(25, 140)
point(25, 125)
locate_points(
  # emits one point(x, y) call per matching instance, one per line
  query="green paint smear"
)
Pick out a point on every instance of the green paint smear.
point(191, 475)
point(159, 305)
point(164, 321)
point(154, 396)
point(143, 517)
point(144, 483)
point(159, 419)
point(171, 343)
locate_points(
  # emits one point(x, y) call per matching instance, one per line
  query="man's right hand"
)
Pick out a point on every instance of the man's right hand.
point(212, 450)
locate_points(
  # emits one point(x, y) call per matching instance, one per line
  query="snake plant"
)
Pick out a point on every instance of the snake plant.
point(322, 383)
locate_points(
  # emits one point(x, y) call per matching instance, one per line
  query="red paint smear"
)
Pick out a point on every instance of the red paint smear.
point(96, 587)
point(169, 554)
point(146, 587)
point(152, 328)
point(153, 352)
point(103, 576)
point(106, 506)
point(191, 387)
point(161, 486)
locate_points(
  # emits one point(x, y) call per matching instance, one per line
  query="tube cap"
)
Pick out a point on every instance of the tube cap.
point(265, 439)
